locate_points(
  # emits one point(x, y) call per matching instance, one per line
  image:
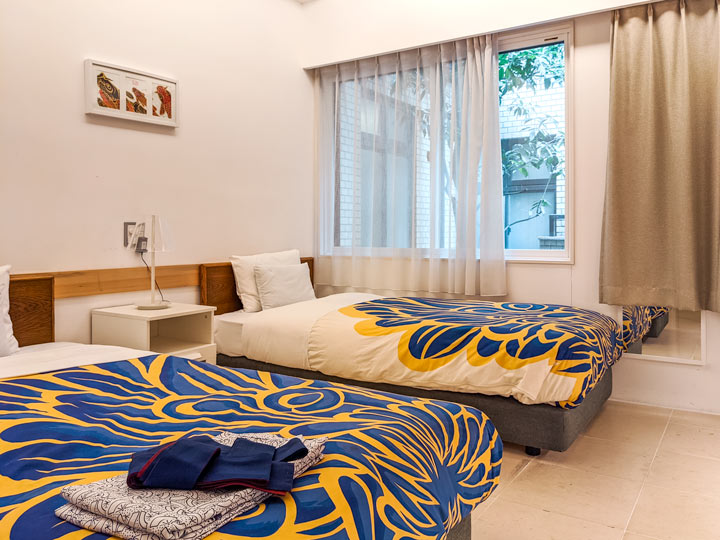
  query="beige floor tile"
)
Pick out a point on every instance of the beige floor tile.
point(693, 440)
point(603, 456)
point(511, 467)
point(512, 521)
point(581, 494)
point(633, 536)
point(686, 473)
point(667, 514)
point(638, 425)
point(696, 419)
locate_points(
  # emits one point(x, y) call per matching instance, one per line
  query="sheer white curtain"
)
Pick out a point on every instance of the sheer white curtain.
point(409, 193)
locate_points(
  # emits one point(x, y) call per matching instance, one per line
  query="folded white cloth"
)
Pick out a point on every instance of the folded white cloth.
point(110, 507)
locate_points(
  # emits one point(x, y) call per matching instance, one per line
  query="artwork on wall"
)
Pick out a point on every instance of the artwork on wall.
point(122, 92)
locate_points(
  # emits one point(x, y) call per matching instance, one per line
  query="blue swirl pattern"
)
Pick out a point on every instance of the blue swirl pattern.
point(581, 344)
point(636, 323)
point(394, 466)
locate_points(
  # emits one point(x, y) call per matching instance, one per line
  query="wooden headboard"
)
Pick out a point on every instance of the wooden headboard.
point(217, 285)
point(32, 309)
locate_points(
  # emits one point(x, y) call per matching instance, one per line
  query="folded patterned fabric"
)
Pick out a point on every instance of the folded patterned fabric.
point(202, 463)
point(111, 507)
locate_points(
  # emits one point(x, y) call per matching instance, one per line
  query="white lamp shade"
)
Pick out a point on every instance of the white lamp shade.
point(160, 238)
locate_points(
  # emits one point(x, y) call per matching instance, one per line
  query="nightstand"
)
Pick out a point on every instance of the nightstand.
point(181, 330)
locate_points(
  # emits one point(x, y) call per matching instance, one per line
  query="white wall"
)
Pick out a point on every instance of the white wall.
point(349, 29)
point(235, 177)
point(674, 385)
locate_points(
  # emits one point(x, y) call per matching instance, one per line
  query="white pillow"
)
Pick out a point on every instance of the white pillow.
point(245, 278)
point(8, 343)
point(283, 285)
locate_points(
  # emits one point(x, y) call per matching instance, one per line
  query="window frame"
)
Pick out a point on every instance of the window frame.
point(520, 39)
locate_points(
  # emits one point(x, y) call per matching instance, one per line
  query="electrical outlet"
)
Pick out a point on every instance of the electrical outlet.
point(141, 245)
point(128, 230)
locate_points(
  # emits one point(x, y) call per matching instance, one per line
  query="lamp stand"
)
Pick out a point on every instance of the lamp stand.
point(154, 303)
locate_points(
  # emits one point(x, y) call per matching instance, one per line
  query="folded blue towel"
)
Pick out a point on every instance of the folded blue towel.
point(201, 463)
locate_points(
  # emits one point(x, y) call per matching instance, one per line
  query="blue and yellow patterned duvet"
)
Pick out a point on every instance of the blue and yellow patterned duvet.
point(536, 353)
point(394, 466)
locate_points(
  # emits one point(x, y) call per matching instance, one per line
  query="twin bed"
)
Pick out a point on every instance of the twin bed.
point(394, 466)
point(541, 372)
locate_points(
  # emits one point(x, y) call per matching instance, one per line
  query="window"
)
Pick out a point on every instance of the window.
point(533, 78)
point(395, 152)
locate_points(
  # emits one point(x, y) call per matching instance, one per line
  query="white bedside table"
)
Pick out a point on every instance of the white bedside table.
point(182, 330)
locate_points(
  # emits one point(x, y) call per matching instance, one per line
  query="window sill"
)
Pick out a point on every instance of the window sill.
point(509, 258)
point(539, 260)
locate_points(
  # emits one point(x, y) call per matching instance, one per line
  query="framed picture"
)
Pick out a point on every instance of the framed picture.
point(122, 92)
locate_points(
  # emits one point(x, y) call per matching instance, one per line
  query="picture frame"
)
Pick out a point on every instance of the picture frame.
point(122, 92)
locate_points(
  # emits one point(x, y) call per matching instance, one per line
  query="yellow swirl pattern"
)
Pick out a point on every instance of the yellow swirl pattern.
point(578, 344)
point(394, 466)
point(636, 323)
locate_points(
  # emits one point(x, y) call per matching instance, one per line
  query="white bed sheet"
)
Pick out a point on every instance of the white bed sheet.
point(46, 357)
point(278, 336)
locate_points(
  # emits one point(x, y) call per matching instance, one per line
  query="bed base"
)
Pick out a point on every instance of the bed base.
point(658, 325)
point(636, 346)
point(534, 426)
point(461, 531)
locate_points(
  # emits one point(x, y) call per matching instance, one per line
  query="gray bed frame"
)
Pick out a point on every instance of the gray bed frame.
point(657, 325)
point(461, 531)
point(535, 427)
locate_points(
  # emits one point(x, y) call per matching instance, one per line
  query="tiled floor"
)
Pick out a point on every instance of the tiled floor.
point(638, 473)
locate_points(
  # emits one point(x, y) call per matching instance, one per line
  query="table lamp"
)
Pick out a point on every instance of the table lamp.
point(157, 241)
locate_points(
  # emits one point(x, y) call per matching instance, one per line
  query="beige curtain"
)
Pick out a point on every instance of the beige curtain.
point(661, 226)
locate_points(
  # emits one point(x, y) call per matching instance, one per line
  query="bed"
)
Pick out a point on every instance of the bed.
point(551, 377)
point(640, 323)
point(394, 465)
